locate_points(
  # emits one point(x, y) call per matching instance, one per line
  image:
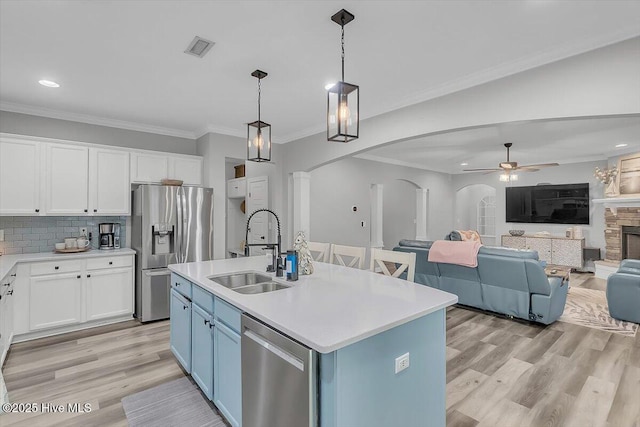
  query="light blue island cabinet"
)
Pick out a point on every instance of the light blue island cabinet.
point(360, 324)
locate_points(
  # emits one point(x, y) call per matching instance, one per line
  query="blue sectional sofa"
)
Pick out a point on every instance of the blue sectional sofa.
point(507, 281)
point(623, 292)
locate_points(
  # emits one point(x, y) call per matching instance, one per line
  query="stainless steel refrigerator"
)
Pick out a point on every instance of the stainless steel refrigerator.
point(169, 225)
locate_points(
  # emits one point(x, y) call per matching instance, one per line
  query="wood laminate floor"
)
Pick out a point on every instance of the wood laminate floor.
point(500, 372)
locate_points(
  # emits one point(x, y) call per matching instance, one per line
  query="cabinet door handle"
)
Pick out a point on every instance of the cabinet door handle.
point(10, 292)
point(14, 275)
point(177, 284)
point(95, 210)
point(86, 210)
point(110, 262)
point(206, 322)
point(78, 276)
point(88, 275)
point(56, 267)
point(6, 284)
point(184, 307)
point(37, 210)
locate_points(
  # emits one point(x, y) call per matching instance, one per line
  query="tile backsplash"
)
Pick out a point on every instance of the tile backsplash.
point(28, 234)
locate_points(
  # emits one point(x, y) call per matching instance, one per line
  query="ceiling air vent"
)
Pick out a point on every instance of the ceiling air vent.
point(199, 47)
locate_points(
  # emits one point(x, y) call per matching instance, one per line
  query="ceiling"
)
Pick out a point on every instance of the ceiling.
point(544, 141)
point(121, 63)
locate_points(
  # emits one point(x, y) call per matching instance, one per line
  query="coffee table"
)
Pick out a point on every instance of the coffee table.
point(558, 271)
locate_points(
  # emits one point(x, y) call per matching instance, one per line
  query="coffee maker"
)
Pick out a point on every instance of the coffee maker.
point(109, 235)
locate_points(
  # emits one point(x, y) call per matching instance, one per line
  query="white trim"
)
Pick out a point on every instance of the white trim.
point(94, 120)
point(20, 137)
point(564, 51)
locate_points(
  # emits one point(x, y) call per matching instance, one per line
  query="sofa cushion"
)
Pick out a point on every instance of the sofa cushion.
point(416, 243)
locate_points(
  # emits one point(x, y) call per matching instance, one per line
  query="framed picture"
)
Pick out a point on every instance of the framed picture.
point(628, 179)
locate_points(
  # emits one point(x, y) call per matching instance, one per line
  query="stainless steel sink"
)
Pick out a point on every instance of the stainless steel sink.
point(237, 280)
point(249, 282)
point(261, 288)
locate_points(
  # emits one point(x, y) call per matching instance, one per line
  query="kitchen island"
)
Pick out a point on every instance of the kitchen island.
point(358, 322)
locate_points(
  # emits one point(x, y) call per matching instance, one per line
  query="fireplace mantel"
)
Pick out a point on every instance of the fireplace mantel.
point(614, 203)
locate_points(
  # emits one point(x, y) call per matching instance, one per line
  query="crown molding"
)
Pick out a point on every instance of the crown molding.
point(220, 130)
point(397, 162)
point(563, 51)
point(93, 120)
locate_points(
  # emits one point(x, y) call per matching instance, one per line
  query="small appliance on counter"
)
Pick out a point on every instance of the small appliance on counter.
point(109, 235)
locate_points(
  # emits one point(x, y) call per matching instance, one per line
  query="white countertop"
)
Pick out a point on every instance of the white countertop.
point(330, 309)
point(8, 261)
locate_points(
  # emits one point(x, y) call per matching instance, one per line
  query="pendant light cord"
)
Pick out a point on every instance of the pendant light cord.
point(342, 42)
point(259, 90)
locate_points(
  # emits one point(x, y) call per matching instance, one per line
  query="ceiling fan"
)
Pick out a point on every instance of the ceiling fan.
point(510, 166)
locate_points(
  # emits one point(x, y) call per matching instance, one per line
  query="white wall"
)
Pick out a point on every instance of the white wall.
point(338, 186)
point(398, 212)
point(25, 124)
point(564, 174)
point(215, 148)
point(600, 82)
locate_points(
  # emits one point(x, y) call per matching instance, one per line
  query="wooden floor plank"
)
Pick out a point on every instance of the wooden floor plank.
point(500, 372)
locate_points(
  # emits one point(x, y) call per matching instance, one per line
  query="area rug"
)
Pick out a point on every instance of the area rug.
point(588, 307)
point(176, 403)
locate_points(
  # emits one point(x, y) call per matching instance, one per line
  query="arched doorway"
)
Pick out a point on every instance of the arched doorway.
point(475, 209)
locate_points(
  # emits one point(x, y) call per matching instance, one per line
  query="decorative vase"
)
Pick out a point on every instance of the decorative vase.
point(305, 265)
point(611, 190)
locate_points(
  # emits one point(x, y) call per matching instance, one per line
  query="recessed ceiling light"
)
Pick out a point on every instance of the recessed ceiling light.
point(621, 145)
point(48, 83)
point(329, 86)
point(464, 164)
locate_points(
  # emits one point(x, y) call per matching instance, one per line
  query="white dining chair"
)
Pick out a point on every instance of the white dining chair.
point(405, 261)
point(339, 252)
point(319, 251)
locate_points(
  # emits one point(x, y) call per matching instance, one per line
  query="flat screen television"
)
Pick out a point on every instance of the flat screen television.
point(549, 204)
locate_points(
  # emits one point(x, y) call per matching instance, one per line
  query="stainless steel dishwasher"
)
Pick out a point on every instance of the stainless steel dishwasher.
point(279, 379)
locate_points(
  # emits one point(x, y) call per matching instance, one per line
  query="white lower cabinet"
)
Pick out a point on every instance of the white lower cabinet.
point(109, 293)
point(55, 300)
point(59, 296)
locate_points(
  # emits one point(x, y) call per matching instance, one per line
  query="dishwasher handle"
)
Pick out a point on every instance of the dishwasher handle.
point(282, 354)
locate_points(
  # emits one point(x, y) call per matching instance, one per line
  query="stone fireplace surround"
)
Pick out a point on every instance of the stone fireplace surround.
point(626, 217)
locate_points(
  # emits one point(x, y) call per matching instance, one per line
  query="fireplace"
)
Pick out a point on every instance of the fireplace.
point(630, 246)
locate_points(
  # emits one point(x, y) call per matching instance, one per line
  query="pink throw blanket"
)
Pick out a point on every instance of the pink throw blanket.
point(451, 252)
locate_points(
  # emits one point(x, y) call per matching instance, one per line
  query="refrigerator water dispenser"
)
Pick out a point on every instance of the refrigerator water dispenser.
point(162, 239)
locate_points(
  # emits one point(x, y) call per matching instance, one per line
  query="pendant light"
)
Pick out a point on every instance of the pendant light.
point(259, 132)
point(343, 99)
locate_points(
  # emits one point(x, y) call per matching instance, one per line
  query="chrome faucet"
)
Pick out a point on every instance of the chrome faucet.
point(276, 264)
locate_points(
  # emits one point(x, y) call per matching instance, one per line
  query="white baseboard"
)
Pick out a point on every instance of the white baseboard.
point(70, 328)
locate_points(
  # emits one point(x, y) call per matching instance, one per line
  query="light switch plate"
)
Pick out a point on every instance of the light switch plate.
point(402, 362)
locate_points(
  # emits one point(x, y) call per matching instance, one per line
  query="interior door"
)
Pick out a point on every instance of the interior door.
point(258, 198)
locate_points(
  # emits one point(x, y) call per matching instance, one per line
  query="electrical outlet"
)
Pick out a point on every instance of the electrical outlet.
point(402, 362)
point(83, 231)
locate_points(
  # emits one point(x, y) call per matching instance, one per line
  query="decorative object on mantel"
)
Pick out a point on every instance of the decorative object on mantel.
point(305, 258)
point(343, 99)
point(259, 132)
point(516, 232)
point(628, 178)
point(608, 178)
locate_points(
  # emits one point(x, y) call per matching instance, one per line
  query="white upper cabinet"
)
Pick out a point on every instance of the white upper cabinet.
point(67, 179)
point(187, 169)
point(109, 192)
point(154, 167)
point(19, 177)
point(148, 167)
